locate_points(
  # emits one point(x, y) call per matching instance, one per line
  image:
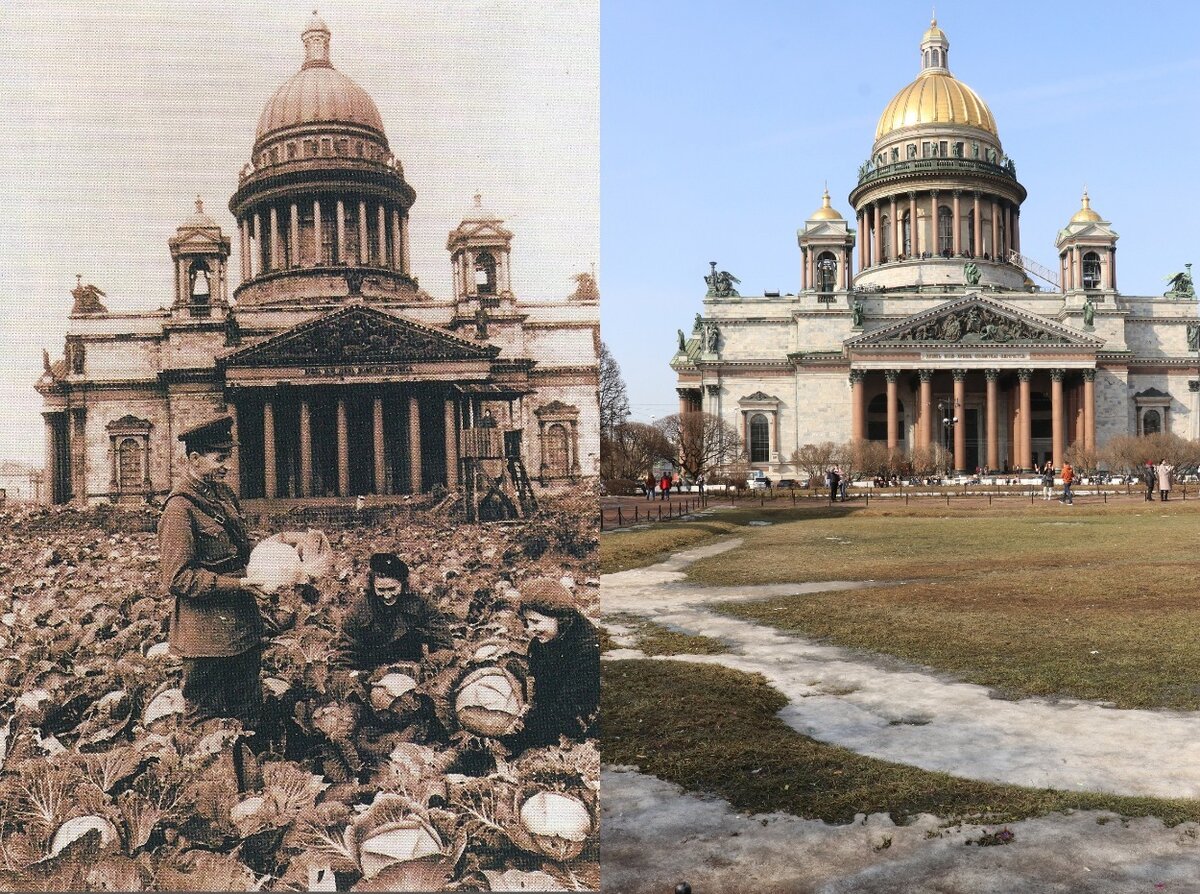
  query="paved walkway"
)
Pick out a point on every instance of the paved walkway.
point(882, 708)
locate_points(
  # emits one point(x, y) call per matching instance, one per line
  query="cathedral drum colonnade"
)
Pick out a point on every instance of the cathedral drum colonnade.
point(342, 375)
point(923, 326)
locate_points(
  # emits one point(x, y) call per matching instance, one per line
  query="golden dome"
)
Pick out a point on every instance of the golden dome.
point(318, 93)
point(826, 211)
point(936, 97)
point(1085, 214)
point(935, 33)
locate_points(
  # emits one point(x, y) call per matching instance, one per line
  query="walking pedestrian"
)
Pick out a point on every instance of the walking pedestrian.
point(1151, 478)
point(834, 477)
point(665, 486)
point(1047, 480)
point(1068, 476)
point(1164, 470)
point(650, 486)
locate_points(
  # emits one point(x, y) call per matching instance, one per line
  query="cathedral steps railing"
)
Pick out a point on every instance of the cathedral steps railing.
point(1033, 268)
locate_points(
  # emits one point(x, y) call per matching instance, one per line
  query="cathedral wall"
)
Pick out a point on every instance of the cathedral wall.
point(573, 390)
point(766, 339)
point(553, 346)
point(190, 349)
point(1157, 337)
point(108, 406)
point(123, 358)
point(823, 331)
point(1114, 405)
point(823, 407)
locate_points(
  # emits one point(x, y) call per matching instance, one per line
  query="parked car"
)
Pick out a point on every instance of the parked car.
point(789, 483)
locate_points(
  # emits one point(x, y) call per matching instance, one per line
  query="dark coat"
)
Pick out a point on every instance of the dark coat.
point(566, 686)
point(203, 550)
point(374, 634)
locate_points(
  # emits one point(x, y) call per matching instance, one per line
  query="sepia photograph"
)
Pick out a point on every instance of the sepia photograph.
point(900, 425)
point(299, 445)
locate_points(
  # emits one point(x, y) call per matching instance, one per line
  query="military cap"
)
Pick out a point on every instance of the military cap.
point(389, 565)
point(215, 434)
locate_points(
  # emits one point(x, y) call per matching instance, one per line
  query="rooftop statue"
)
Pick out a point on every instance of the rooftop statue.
point(87, 298)
point(682, 342)
point(721, 283)
point(856, 311)
point(1181, 284)
point(585, 287)
point(1089, 312)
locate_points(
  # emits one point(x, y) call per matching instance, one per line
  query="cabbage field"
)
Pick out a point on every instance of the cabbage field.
point(396, 780)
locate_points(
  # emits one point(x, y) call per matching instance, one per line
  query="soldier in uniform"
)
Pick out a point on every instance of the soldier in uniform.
point(216, 626)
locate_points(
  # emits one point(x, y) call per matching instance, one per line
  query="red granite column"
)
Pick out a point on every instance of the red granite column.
point(896, 246)
point(451, 445)
point(995, 230)
point(414, 444)
point(269, 449)
point(977, 242)
point(1056, 417)
point(877, 239)
point(1089, 409)
point(378, 443)
point(893, 414)
point(993, 419)
point(343, 449)
point(925, 438)
point(857, 417)
point(803, 272)
point(306, 457)
point(959, 410)
point(1025, 440)
point(957, 223)
point(913, 250)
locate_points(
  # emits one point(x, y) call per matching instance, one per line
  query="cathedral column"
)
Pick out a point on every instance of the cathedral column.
point(893, 417)
point(925, 436)
point(78, 453)
point(318, 256)
point(846, 269)
point(895, 232)
point(913, 250)
point(49, 461)
point(377, 432)
point(803, 268)
point(274, 259)
point(256, 248)
point(343, 449)
point(451, 445)
point(1016, 229)
point(341, 232)
point(414, 443)
point(993, 418)
point(404, 254)
point(396, 241)
point(364, 239)
point(235, 455)
point(306, 477)
point(877, 239)
point(995, 230)
point(1112, 268)
point(269, 473)
point(1056, 417)
point(960, 430)
point(932, 248)
point(294, 240)
point(1008, 232)
point(1089, 409)
point(857, 416)
point(244, 229)
point(381, 220)
point(957, 223)
point(977, 242)
point(862, 239)
point(1025, 436)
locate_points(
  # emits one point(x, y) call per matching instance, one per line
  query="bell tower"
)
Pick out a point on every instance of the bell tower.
point(1087, 253)
point(479, 256)
point(201, 255)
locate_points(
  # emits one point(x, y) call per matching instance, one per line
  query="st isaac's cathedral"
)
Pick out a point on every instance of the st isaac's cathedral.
point(928, 301)
point(342, 375)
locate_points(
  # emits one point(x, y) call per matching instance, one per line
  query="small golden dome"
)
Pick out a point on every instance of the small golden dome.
point(826, 211)
point(935, 33)
point(1085, 214)
point(936, 97)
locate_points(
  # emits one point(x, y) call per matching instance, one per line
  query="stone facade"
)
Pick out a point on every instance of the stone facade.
point(343, 376)
point(930, 302)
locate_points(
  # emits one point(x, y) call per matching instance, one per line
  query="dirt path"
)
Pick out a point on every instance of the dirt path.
point(882, 708)
point(655, 835)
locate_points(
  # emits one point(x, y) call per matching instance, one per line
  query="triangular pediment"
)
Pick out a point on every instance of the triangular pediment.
point(975, 320)
point(358, 335)
point(825, 228)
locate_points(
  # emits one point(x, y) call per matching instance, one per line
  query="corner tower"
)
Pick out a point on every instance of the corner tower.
point(322, 193)
point(938, 190)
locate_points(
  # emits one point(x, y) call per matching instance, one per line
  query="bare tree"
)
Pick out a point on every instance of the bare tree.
point(931, 460)
point(614, 400)
point(1130, 453)
point(1084, 460)
point(702, 442)
point(860, 457)
point(815, 460)
point(632, 450)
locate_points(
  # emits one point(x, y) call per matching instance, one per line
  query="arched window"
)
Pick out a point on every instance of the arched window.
point(1091, 270)
point(945, 230)
point(886, 223)
point(129, 465)
point(906, 234)
point(558, 451)
point(760, 439)
point(485, 273)
point(1151, 422)
point(826, 272)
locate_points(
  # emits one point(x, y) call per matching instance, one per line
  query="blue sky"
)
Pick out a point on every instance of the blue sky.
point(720, 124)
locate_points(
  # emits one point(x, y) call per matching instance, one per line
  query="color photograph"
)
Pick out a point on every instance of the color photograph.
point(900, 426)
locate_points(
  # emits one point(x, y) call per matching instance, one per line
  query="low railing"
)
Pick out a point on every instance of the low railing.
point(939, 165)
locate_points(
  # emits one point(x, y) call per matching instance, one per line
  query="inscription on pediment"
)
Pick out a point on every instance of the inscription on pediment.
point(358, 336)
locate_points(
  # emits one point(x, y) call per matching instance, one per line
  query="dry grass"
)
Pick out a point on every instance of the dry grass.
point(658, 639)
point(712, 729)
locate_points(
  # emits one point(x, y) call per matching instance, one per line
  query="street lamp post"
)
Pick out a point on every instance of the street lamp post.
point(946, 409)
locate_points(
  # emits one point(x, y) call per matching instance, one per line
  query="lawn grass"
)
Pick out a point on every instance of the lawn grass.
point(1099, 605)
point(623, 550)
point(658, 639)
point(712, 729)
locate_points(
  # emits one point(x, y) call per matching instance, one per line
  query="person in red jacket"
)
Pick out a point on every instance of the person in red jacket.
point(1068, 476)
point(665, 484)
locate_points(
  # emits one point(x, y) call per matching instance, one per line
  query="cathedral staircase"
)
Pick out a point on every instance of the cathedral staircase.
point(1033, 268)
